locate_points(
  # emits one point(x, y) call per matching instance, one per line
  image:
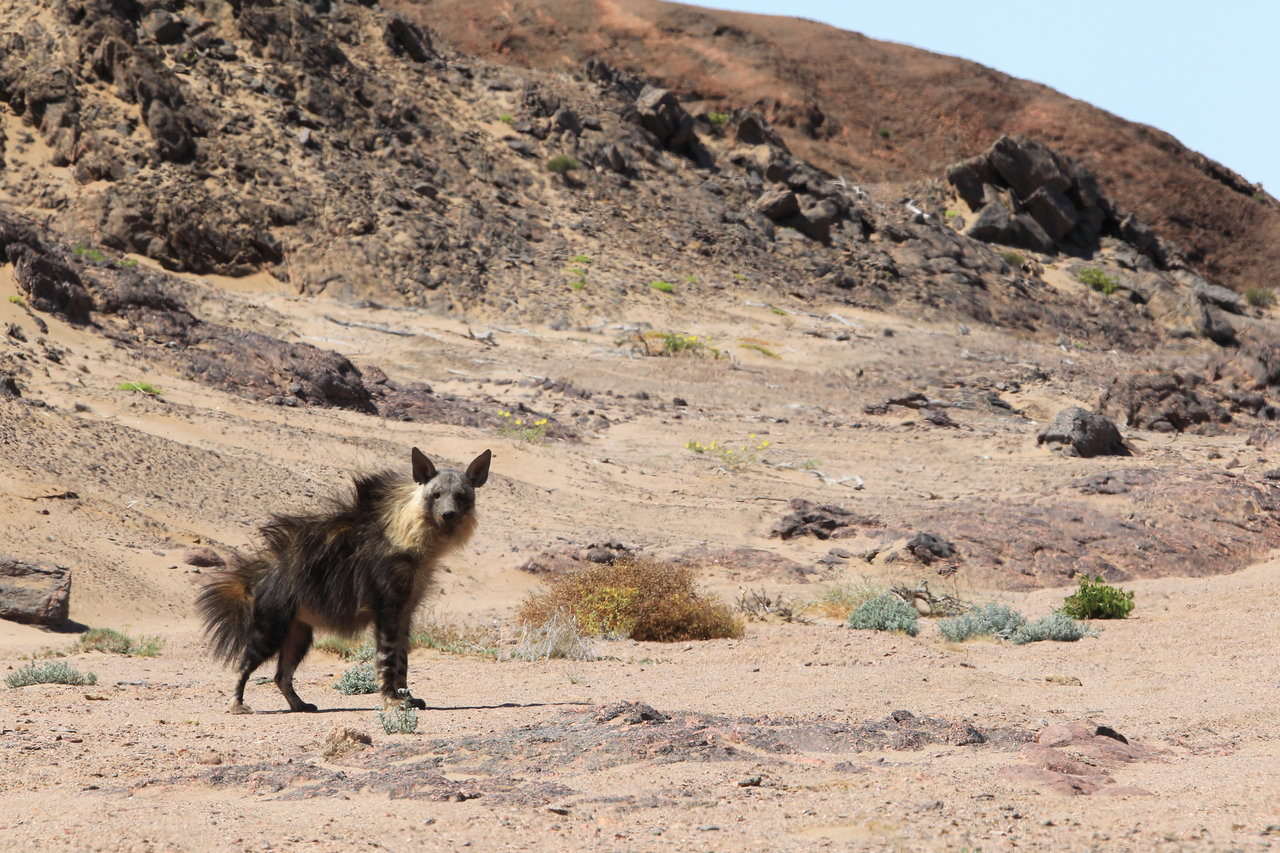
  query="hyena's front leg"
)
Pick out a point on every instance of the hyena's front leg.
point(393, 661)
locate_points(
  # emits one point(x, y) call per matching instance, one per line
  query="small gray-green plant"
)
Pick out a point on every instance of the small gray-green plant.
point(1097, 600)
point(561, 163)
point(55, 672)
point(401, 720)
point(989, 620)
point(1013, 259)
point(361, 678)
point(1098, 280)
point(885, 612)
point(117, 642)
point(1058, 627)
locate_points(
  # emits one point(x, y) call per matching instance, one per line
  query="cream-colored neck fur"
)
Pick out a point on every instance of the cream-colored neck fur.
point(409, 527)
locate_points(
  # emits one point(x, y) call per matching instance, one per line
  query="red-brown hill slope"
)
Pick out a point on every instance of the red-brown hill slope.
point(834, 95)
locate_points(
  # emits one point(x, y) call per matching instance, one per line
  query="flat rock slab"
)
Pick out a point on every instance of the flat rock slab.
point(1077, 759)
point(32, 593)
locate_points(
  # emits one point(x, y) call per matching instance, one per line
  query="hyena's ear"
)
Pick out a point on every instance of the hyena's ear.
point(423, 470)
point(478, 470)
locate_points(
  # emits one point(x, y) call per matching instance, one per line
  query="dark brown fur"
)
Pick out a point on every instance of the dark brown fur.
point(367, 558)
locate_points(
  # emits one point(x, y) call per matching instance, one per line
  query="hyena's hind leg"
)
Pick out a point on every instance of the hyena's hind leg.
point(265, 639)
point(296, 644)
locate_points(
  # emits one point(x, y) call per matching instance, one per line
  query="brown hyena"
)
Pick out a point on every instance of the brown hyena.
point(367, 558)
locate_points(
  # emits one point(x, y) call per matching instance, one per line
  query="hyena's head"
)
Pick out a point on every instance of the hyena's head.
point(450, 495)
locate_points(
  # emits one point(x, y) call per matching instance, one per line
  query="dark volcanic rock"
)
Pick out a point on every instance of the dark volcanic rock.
point(1165, 402)
point(50, 284)
point(1080, 433)
point(822, 521)
point(33, 593)
point(928, 547)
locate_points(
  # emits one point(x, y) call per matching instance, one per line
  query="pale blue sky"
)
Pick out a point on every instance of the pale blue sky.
point(1208, 73)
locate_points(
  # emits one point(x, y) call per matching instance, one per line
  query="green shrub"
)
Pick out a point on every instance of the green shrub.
point(506, 118)
point(403, 720)
point(885, 612)
point(1260, 297)
point(885, 133)
point(116, 642)
point(718, 120)
point(1098, 280)
point(1013, 259)
point(989, 620)
point(361, 678)
point(663, 286)
point(1097, 600)
point(18, 300)
point(562, 163)
point(1059, 628)
point(56, 672)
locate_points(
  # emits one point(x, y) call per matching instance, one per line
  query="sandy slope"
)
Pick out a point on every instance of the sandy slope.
point(511, 753)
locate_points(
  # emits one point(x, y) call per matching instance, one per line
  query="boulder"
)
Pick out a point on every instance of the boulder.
point(1164, 402)
point(969, 177)
point(405, 38)
point(32, 593)
point(1050, 207)
point(1079, 433)
point(1026, 233)
point(777, 204)
point(165, 27)
point(50, 284)
point(816, 220)
point(1026, 165)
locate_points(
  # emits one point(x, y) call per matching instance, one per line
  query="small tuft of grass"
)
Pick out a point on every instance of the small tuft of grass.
point(506, 118)
point(718, 120)
point(885, 133)
point(663, 286)
point(640, 599)
point(839, 600)
point(885, 612)
point(143, 387)
point(1260, 297)
point(1097, 600)
point(347, 648)
point(677, 343)
point(89, 254)
point(55, 672)
point(558, 637)
point(1014, 259)
point(18, 300)
point(435, 631)
point(116, 642)
point(561, 164)
point(1098, 280)
point(760, 348)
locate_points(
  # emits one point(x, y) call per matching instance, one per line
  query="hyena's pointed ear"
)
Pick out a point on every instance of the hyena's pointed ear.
point(478, 470)
point(423, 470)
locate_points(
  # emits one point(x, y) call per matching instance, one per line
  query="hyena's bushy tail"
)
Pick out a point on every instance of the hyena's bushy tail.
point(226, 606)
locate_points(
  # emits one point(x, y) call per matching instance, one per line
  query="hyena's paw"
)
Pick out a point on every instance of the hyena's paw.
point(305, 707)
point(239, 708)
point(395, 703)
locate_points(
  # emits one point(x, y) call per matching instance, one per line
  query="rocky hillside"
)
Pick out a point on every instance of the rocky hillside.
point(877, 111)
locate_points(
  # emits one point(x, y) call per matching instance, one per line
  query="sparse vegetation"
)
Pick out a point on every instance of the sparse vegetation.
point(885, 133)
point(718, 120)
point(117, 642)
point(89, 254)
point(402, 720)
point(732, 458)
point(839, 600)
point(1098, 280)
point(434, 631)
point(885, 612)
point(18, 300)
point(757, 346)
point(143, 387)
point(358, 679)
point(641, 599)
point(1097, 600)
point(55, 672)
point(562, 163)
point(522, 429)
point(1015, 260)
point(1260, 297)
point(347, 648)
point(1058, 627)
point(558, 637)
point(757, 604)
point(989, 620)
point(663, 286)
point(676, 343)
point(506, 118)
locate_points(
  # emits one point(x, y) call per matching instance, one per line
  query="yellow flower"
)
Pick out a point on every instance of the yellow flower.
point(519, 422)
point(540, 422)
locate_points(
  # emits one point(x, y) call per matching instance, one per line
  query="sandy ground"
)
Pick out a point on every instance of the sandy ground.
point(769, 742)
